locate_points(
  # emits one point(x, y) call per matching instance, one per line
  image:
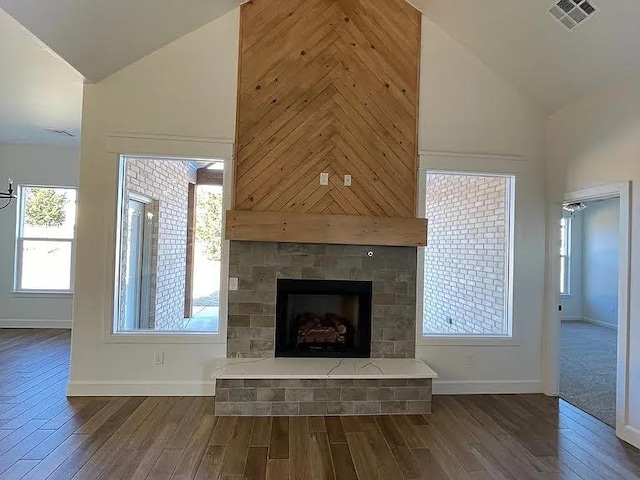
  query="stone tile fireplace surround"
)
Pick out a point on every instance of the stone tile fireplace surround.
point(395, 383)
point(258, 265)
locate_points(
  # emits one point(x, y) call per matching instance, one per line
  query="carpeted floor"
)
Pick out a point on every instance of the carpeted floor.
point(588, 369)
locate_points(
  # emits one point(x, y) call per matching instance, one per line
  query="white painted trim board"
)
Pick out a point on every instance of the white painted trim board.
point(598, 322)
point(23, 323)
point(588, 320)
point(481, 387)
point(551, 354)
point(140, 389)
point(629, 434)
point(197, 389)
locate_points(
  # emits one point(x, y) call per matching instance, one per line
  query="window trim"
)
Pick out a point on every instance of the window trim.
point(565, 282)
point(512, 337)
point(110, 333)
point(20, 239)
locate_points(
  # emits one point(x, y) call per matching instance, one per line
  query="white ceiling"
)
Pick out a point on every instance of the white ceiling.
point(38, 90)
point(522, 42)
point(516, 38)
point(99, 37)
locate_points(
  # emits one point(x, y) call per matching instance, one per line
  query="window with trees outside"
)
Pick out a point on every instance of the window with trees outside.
point(45, 239)
point(170, 245)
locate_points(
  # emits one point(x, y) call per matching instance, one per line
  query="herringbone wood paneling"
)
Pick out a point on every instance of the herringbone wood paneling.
point(328, 86)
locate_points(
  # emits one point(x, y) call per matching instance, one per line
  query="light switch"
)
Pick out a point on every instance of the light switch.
point(233, 283)
point(324, 178)
point(347, 180)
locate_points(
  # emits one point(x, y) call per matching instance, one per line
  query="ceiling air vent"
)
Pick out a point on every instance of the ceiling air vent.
point(572, 13)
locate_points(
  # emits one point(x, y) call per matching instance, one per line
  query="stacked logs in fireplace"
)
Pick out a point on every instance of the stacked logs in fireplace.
point(331, 328)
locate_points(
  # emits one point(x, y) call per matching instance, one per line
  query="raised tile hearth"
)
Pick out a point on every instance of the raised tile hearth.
point(322, 386)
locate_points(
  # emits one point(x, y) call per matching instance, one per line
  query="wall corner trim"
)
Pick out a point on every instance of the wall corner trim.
point(29, 323)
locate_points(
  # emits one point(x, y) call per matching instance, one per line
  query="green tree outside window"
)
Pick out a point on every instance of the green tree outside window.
point(209, 224)
point(45, 207)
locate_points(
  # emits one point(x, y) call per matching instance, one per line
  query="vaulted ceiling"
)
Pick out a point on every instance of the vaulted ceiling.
point(38, 90)
point(521, 41)
point(518, 39)
point(99, 37)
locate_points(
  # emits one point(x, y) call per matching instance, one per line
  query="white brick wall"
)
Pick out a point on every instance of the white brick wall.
point(465, 261)
point(167, 184)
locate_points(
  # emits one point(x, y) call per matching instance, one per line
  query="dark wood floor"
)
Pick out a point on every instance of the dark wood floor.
point(45, 435)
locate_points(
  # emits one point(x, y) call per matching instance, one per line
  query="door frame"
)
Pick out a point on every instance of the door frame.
point(552, 341)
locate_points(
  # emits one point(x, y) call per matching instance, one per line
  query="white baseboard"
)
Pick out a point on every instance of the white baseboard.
point(630, 435)
point(598, 322)
point(140, 389)
point(207, 389)
point(478, 387)
point(588, 320)
point(8, 323)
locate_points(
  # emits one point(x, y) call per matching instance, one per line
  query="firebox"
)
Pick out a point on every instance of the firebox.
point(323, 318)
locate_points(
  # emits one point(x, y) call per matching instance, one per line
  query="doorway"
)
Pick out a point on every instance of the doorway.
point(553, 337)
point(590, 240)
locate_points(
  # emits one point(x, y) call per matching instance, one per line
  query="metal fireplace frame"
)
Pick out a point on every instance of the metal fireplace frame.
point(362, 289)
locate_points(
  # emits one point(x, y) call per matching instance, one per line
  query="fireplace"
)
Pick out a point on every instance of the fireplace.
point(251, 327)
point(323, 318)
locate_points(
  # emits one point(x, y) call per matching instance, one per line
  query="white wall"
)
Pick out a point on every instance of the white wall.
point(183, 99)
point(600, 261)
point(466, 107)
point(32, 165)
point(472, 120)
point(186, 92)
point(593, 142)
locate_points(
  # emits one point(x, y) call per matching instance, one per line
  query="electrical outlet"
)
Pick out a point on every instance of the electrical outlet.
point(233, 283)
point(158, 358)
point(347, 180)
point(324, 178)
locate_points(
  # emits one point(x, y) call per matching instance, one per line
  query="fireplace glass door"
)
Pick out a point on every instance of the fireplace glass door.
point(323, 318)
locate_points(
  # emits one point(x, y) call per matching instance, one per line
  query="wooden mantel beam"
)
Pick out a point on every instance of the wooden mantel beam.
point(333, 229)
